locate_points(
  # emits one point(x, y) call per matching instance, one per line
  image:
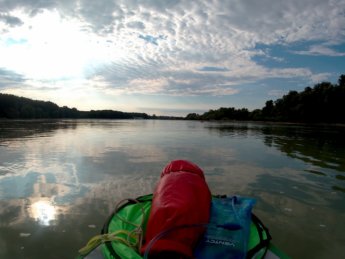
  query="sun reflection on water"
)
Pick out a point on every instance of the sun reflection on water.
point(43, 212)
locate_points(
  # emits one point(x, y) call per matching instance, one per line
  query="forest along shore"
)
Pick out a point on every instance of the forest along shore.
point(323, 103)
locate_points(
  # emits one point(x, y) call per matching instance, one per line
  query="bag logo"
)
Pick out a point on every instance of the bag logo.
point(220, 242)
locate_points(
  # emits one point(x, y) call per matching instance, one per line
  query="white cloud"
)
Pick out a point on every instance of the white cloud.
point(317, 78)
point(160, 47)
point(320, 50)
point(10, 20)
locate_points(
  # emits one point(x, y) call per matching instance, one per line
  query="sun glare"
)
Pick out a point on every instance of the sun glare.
point(43, 212)
point(52, 48)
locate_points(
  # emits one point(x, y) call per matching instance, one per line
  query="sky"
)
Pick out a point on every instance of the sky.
point(170, 57)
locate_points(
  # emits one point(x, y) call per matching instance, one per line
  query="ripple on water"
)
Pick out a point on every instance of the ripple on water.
point(337, 188)
point(315, 172)
point(340, 177)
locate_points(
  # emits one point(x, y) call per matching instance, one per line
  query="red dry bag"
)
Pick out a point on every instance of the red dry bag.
point(180, 208)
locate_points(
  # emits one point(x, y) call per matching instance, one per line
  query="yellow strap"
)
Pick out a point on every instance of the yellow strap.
point(136, 235)
point(99, 239)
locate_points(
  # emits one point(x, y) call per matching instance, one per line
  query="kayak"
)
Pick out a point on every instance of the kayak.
point(181, 219)
point(122, 234)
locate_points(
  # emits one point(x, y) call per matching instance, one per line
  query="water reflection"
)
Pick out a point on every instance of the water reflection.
point(19, 129)
point(60, 180)
point(321, 146)
point(43, 211)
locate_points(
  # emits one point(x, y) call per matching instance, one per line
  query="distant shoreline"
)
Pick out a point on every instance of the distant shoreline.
point(181, 119)
point(322, 104)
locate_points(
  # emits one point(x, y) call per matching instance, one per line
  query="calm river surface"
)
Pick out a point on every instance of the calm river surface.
point(59, 180)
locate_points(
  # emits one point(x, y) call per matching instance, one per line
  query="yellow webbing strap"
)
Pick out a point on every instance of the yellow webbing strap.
point(136, 234)
point(99, 239)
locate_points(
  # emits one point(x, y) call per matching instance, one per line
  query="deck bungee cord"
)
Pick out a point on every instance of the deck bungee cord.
point(136, 235)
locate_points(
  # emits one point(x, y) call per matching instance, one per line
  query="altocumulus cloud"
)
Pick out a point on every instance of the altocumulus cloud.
point(205, 48)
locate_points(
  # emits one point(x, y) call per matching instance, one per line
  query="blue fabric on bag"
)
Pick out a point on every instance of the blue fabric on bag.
point(228, 231)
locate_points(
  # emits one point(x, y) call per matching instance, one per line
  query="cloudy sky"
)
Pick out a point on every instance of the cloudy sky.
point(168, 57)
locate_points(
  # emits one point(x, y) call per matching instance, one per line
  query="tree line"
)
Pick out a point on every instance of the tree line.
point(14, 107)
point(323, 103)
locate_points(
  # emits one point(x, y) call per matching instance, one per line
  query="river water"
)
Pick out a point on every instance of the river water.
point(60, 179)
